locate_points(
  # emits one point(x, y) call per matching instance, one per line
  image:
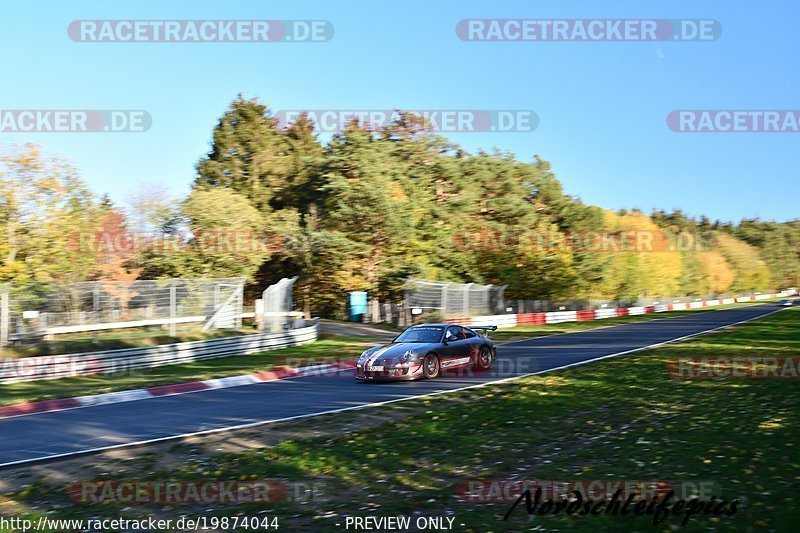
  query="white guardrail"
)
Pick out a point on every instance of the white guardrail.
point(14, 370)
point(555, 317)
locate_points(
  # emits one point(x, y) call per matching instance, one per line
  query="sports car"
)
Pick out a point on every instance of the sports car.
point(425, 351)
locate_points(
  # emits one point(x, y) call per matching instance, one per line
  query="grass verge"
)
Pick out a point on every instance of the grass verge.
point(618, 419)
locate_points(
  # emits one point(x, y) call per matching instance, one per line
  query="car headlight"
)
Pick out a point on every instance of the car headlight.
point(408, 356)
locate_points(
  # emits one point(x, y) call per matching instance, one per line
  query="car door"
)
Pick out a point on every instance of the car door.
point(474, 341)
point(457, 350)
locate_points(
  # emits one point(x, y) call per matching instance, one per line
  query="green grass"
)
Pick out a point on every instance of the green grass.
point(619, 419)
point(307, 354)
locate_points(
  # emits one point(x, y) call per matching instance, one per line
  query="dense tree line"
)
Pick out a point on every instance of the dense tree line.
point(370, 208)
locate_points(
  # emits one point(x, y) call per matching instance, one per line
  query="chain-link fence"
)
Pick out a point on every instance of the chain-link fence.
point(453, 299)
point(46, 309)
point(423, 297)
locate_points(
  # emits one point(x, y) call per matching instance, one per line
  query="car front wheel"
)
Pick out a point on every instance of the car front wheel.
point(431, 366)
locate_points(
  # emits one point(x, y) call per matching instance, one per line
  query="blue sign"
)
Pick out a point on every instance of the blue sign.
point(358, 306)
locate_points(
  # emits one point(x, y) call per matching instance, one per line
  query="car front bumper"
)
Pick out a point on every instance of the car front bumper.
point(393, 373)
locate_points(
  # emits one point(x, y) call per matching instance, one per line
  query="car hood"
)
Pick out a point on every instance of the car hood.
point(388, 352)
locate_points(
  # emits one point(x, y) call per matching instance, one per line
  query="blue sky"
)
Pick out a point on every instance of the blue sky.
point(602, 106)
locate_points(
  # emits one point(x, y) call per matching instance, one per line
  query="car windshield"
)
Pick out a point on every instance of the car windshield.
point(421, 334)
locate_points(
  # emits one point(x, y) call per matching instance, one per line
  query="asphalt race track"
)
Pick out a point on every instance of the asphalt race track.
point(48, 435)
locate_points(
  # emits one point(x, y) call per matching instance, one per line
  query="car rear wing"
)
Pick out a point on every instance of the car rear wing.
point(484, 329)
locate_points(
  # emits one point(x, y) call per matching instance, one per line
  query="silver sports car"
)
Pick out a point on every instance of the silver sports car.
point(426, 350)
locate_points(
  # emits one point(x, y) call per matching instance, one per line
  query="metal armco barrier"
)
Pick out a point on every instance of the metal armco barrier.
point(82, 364)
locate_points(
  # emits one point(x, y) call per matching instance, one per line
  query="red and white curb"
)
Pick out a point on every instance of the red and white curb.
point(556, 317)
point(64, 404)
